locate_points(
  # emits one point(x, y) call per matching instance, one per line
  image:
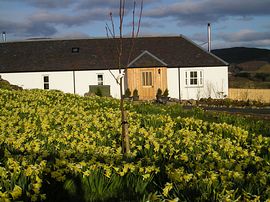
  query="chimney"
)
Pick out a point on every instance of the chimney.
point(209, 36)
point(4, 36)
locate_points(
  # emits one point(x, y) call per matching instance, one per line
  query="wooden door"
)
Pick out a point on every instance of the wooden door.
point(147, 81)
point(147, 84)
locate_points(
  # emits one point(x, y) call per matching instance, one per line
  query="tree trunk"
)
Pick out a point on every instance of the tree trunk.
point(124, 122)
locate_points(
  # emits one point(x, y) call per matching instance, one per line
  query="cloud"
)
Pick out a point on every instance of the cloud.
point(44, 23)
point(201, 37)
point(251, 44)
point(67, 19)
point(72, 35)
point(244, 36)
point(51, 4)
point(90, 4)
point(200, 12)
point(147, 24)
point(27, 29)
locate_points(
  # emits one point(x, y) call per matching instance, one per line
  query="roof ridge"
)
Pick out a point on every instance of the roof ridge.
point(78, 39)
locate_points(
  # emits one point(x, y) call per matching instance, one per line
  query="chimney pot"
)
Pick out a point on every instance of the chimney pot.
point(209, 36)
point(4, 36)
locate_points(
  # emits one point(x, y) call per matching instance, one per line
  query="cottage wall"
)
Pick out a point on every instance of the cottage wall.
point(173, 84)
point(63, 80)
point(214, 83)
point(86, 78)
point(31, 80)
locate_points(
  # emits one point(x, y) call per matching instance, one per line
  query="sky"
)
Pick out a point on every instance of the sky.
point(234, 23)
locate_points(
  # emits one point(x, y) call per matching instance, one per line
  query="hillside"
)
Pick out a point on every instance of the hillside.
point(249, 67)
point(241, 54)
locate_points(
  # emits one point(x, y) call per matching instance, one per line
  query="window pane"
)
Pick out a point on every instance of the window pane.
point(46, 86)
point(100, 79)
point(201, 78)
point(46, 78)
point(150, 79)
point(75, 50)
point(147, 78)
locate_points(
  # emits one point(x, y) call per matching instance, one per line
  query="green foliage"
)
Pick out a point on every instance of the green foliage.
point(6, 85)
point(231, 103)
point(262, 76)
point(68, 148)
point(244, 74)
point(98, 187)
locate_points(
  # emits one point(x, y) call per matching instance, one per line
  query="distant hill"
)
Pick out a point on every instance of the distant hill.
point(241, 54)
point(249, 67)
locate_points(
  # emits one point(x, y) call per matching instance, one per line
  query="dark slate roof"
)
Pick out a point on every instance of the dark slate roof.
point(98, 54)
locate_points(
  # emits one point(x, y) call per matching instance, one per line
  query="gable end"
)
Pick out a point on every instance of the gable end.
point(147, 59)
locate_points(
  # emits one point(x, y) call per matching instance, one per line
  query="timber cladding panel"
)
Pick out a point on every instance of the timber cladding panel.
point(147, 81)
point(262, 95)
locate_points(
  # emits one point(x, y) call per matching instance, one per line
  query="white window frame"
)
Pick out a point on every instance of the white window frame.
point(100, 82)
point(46, 82)
point(190, 78)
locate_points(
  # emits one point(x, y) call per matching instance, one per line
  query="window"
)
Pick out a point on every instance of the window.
point(46, 82)
point(194, 78)
point(100, 79)
point(75, 50)
point(147, 79)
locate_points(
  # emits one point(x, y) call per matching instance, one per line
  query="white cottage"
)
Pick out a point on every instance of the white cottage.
point(75, 66)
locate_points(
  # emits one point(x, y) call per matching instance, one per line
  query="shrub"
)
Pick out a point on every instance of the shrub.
point(135, 93)
point(166, 93)
point(127, 93)
point(6, 85)
point(99, 92)
point(159, 93)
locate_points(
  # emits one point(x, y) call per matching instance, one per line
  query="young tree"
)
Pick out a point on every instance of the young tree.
point(111, 34)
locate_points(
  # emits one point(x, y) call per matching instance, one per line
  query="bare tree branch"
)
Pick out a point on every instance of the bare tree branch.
point(133, 29)
point(112, 23)
point(140, 18)
point(110, 31)
point(107, 32)
point(133, 19)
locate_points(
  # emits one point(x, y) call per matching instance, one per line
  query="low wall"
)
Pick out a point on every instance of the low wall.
point(262, 95)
